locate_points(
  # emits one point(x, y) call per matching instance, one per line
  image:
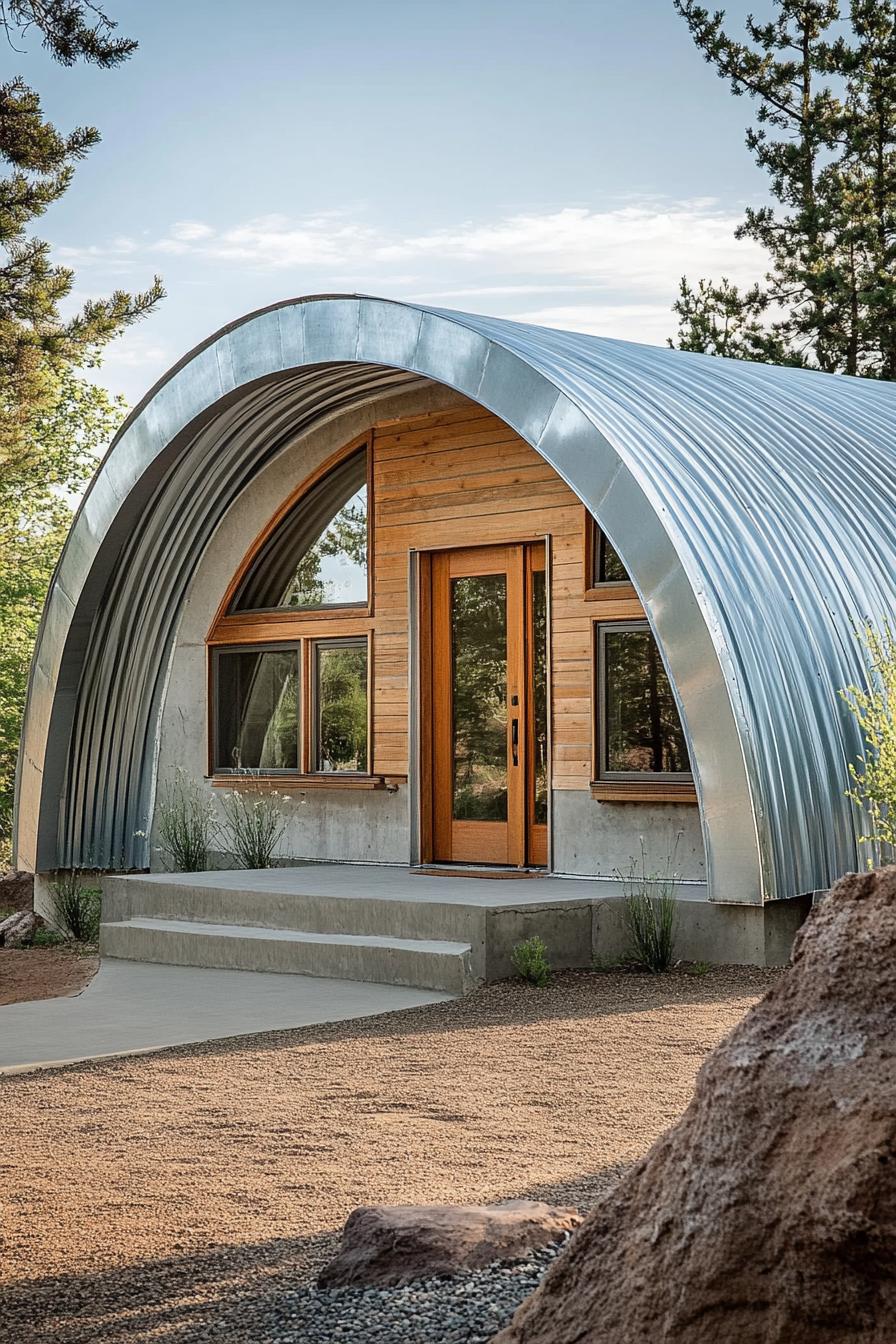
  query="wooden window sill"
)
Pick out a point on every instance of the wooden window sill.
point(300, 783)
point(638, 791)
point(612, 592)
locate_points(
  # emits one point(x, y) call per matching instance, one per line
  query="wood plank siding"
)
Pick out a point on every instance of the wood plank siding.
point(463, 478)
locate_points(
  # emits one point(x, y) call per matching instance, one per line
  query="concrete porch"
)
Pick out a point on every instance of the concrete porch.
point(398, 926)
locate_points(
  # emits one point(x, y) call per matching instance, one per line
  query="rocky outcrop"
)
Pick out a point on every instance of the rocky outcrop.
point(391, 1244)
point(768, 1214)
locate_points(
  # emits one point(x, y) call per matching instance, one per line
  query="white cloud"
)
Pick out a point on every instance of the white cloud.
point(611, 271)
point(646, 322)
point(643, 246)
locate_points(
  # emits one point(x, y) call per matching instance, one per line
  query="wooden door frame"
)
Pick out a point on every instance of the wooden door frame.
point(420, 687)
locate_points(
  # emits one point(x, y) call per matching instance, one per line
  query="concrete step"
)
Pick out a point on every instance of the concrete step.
point(421, 963)
point(390, 911)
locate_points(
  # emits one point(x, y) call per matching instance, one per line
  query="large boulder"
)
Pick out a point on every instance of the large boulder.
point(390, 1244)
point(768, 1214)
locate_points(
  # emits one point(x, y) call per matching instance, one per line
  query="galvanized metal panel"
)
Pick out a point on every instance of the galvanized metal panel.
point(752, 505)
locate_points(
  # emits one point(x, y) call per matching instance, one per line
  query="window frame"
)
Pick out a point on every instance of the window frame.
point(226, 620)
point(311, 702)
point(597, 589)
point(228, 772)
point(678, 781)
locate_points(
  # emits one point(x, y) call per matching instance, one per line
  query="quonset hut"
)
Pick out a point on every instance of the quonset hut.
point(477, 594)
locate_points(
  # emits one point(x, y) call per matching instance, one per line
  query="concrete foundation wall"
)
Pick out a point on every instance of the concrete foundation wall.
point(739, 935)
point(603, 839)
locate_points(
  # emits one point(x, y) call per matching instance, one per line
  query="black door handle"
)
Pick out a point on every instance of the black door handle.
point(515, 740)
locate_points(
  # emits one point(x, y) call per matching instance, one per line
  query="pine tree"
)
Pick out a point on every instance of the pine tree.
point(825, 135)
point(52, 422)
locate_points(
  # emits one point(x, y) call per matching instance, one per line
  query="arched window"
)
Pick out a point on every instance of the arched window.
point(317, 555)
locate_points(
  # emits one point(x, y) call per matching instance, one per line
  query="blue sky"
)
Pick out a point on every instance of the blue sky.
point(560, 162)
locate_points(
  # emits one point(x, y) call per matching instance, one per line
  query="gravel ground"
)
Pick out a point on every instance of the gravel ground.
point(468, 1308)
point(188, 1195)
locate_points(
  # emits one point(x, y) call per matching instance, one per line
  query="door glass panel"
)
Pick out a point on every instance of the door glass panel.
point(540, 697)
point(479, 691)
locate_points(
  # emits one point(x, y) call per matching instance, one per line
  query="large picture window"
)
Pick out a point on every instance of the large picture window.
point(639, 729)
point(316, 557)
point(261, 700)
point(257, 709)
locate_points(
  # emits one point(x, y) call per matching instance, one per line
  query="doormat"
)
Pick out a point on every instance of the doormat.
point(493, 873)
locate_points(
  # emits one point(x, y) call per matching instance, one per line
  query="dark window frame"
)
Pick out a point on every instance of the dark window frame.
point(601, 773)
point(313, 703)
point(595, 560)
point(277, 646)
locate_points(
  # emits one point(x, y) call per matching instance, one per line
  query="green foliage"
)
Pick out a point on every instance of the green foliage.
point(47, 938)
point(874, 775)
point(530, 960)
point(76, 906)
point(650, 912)
point(35, 515)
point(71, 30)
point(825, 136)
point(187, 826)
point(52, 423)
point(256, 824)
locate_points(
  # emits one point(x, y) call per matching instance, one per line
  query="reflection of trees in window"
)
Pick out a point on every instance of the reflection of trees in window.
point(540, 695)
point(341, 700)
point(479, 653)
point(257, 693)
point(344, 544)
point(605, 562)
point(317, 554)
point(642, 728)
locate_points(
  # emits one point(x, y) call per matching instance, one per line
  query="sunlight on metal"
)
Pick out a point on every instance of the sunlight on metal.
point(753, 507)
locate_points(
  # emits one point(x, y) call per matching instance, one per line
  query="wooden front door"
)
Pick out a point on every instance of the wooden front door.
point(488, 701)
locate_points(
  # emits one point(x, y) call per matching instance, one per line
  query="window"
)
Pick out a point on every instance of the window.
point(316, 557)
point(639, 729)
point(257, 709)
point(340, 705)
point(602, 563)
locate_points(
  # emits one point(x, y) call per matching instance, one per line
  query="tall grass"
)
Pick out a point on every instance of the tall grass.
point(76, 906)
point(256, 823)
point(187, 826)
point(650, 912)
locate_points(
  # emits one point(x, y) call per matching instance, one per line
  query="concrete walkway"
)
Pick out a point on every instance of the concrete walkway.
point(130, 1007)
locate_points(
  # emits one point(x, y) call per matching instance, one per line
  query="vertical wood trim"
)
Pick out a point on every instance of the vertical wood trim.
point(442, 725)
point(425, 723)
point(368, 763)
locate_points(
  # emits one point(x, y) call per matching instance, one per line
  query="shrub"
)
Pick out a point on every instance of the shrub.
point(187, 826)
point(76, 906)
point(530, 960)
point(650, 912)
point(874, 775)
point(256, 823)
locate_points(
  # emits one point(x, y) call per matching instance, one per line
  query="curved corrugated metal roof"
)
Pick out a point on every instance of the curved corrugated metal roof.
point(752, 505)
